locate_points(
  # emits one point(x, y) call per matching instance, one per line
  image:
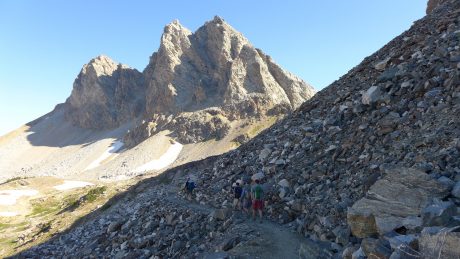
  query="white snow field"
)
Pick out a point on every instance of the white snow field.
point(67, 185)
point(165, 160)
point(9, 197)
point(117, 145)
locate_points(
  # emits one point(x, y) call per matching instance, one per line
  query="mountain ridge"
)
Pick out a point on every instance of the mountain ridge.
point(215, 68)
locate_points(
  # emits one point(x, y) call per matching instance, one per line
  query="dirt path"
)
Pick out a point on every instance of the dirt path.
point(273, 240)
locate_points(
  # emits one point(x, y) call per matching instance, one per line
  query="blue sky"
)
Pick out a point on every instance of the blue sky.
point(44, 44)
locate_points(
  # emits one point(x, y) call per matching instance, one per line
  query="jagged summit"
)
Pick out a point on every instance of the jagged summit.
point(105, 94)
point(215, 67)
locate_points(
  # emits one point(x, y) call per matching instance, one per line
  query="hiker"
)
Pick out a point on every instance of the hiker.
point(237, 191)
point(189, 187)
point(257, 199)
point(246, 201)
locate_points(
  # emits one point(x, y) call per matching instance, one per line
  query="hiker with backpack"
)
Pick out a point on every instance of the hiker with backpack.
point(257, 199)
point(189, 187)
point(246, 200)
point(237, 191)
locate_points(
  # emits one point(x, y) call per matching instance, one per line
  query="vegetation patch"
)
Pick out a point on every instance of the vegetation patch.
point(94, 193)
point(41, 207)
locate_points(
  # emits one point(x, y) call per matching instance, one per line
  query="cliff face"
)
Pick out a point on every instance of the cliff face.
point(217, 67)
point(195, 82)
point(105, 95)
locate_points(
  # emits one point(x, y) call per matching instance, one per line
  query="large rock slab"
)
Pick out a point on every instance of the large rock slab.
point(401, 194)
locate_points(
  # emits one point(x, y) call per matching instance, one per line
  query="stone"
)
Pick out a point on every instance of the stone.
point(221, 214)
point(446, 181)
point(372, 95)
point(398, 241)
point(284, 183)
point(376, 248)
point(402, 193)
point(358, 254)
point(456, 190)
point(264, 154)
point(382, 64)
point(342, 235)
point(439, 213)
point(114, 226)
point(229, 243)
point(442, 245)
point(348, 252)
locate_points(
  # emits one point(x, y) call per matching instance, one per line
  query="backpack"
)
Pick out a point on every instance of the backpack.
point(190, 186)
point(238, 192)
point(258, 192)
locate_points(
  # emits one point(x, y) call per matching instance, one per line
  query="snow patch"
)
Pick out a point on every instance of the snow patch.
point(117, 145)
point(9, 197)
point(8, 213)
point(71, 185)
point(165, 160)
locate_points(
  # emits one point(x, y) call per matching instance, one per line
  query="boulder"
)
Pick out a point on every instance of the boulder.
point(284, 183)
point(376, 248)
point(402, 193)
point(444, 244)
point(456, 190)
point(439, 213)
point(372, 95)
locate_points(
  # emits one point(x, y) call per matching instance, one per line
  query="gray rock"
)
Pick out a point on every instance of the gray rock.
point(342, 235)
point(358, 254)
point(439, 213)
point(114, 226)
point(446, 181)
point(442, 245)
point(402, 193)
point(456, 190)
point(377, 248)
point(372, 95)
point(284, 183)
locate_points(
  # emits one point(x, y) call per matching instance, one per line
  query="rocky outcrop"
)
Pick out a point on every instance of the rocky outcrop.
point(432, 4)
point(105, 95)
point(215, 68)
point(393, 202)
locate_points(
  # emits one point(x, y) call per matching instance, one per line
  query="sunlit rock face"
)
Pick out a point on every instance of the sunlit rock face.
point(105, 94)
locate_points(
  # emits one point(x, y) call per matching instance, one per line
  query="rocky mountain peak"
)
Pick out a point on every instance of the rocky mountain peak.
point(215, 68)
point(105, 94)
point(100, 65)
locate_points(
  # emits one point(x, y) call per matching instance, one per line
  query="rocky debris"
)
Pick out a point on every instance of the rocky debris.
point(432, 4)
point(105, 95)
point(331, 147)
point(335, 148)
point(391, 201)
